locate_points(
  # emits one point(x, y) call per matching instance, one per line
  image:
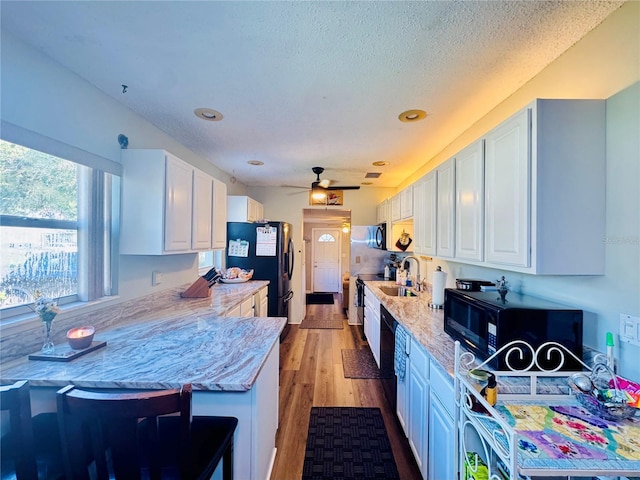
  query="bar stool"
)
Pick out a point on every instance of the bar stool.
point(133, 436)
point(31, 448)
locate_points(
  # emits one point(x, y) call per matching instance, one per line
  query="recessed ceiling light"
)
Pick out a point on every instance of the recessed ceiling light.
point(208, 114)
point(380, 164)
point(255, 162)
point(366, 183)
point(412, 116)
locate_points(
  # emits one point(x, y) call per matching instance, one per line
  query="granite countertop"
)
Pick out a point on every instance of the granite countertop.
point(167, 347)
point(423, 323)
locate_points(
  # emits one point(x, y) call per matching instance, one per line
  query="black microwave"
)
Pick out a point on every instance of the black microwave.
point(379, 236)
point(484, 323)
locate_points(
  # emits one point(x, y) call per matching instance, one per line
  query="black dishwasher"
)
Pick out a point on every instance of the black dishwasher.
point(387, 349)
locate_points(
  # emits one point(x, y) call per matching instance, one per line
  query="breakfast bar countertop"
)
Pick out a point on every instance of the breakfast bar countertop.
point(190, 343)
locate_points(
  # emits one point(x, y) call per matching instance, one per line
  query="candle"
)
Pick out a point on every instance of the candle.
point(80, 337)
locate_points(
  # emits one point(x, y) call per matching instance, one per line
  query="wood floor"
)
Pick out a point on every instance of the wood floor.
point(311, 375)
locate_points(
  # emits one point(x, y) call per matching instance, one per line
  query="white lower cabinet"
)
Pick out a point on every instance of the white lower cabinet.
point(425, 402)
point(418, 402)
point(442, 428)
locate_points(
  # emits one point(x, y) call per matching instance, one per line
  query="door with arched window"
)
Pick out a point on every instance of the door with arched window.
point(326, 259)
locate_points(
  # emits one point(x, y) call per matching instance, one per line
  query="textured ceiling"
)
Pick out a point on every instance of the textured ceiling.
point(307, 83)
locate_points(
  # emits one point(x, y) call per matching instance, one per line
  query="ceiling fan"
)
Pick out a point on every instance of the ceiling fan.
point(325, 184)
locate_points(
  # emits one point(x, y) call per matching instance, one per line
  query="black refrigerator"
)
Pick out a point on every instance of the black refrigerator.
point(266, 248)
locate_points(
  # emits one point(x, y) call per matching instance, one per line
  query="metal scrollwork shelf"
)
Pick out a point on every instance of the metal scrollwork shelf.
point(488, 445)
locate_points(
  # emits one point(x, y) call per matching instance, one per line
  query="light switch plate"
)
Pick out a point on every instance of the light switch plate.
point(630, 329)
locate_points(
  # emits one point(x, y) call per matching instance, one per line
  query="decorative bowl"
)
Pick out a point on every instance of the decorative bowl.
point(590, 392)
point(80, 337)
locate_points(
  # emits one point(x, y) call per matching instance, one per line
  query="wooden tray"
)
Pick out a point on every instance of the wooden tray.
point(64, 353)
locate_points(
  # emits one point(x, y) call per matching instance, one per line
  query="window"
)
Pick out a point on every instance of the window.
point(55, 229)
point(326, 237)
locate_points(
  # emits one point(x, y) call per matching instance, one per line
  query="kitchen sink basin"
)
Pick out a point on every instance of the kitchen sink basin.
point(399, 292)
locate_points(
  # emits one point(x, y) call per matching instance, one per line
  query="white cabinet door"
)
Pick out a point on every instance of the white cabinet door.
point(406, 203)
point(445, 220)
point(442, 431)
point(246, 308)
point(417, 414)
point(424, 215)
point(219, 215)
point(178, 205)
point(469, 188)
point(396, 208)
point(202, 205)
point(241, 208)
point(382, 212)
point(507, 194)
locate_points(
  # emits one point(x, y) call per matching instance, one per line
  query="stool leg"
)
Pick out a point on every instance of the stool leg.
point(227, 463)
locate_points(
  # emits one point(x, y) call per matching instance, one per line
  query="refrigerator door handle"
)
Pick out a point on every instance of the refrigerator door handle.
point(291, 259)
point(288, 296)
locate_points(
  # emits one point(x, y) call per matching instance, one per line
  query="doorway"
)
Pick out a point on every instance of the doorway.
point(339, 222)
point(325, 259)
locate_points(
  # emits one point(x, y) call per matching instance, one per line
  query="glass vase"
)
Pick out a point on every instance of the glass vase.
point(48, 346)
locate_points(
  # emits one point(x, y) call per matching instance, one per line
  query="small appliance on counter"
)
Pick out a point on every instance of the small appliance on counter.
point(484, 323)
point(472, 285)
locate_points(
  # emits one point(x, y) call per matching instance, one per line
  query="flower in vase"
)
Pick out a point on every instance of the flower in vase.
point(46, 308)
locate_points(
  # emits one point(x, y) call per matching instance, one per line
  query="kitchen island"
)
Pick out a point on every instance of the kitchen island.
point(231, 362)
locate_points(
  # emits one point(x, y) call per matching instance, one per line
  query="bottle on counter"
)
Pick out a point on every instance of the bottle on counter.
point(386, 272)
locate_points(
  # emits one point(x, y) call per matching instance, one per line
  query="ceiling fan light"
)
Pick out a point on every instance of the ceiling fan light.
point(318, 195)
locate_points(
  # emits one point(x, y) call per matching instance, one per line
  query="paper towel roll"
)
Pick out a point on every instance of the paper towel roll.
point(439, 282)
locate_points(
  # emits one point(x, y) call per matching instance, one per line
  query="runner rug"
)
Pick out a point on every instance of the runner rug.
point(335, 322)
point(359, 363)
point(348, 443)
point(319, 298)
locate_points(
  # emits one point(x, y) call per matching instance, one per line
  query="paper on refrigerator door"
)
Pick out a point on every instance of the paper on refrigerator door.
point(266, 238)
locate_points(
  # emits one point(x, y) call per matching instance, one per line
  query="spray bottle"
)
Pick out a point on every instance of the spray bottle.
point(610, 359)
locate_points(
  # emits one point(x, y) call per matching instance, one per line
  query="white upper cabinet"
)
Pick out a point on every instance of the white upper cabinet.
point(508, 198)
point(382, 212)
point(178, 205)
point(445, 209)
point(424, 218)
point(219, 215)
point(166, 205)
point(202, 206)
point(545, 189)
point(469, 205)
point(241, 208)
point(396, 208)
point(406, 203)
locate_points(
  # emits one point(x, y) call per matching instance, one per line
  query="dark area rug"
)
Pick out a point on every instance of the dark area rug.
point(319, 298)
point(359, 364)
point(348, 443)
point(334, 322)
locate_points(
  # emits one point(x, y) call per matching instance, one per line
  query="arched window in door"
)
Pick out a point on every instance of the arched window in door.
point(326, 237)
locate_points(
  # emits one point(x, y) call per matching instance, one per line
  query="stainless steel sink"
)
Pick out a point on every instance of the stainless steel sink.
point(399, 292)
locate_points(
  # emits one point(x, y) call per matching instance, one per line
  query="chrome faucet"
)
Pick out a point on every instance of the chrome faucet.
point(418, 282)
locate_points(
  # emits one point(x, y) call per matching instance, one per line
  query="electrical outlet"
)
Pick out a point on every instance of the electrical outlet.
point(156, 278)
point(630, 329)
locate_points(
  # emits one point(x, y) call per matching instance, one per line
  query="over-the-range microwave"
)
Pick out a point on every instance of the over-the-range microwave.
point(483, 323)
